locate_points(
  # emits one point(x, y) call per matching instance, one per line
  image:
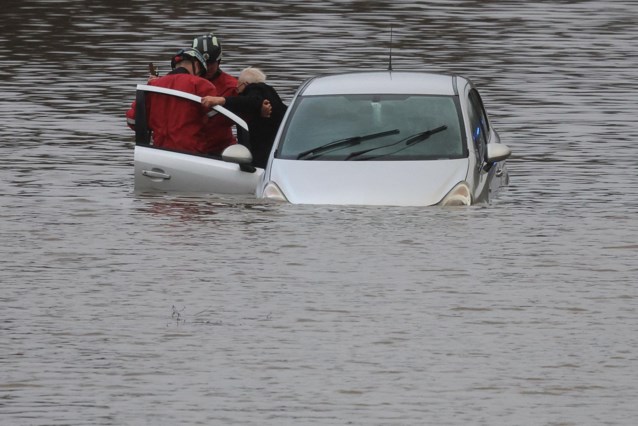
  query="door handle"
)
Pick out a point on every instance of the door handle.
point(153, 174)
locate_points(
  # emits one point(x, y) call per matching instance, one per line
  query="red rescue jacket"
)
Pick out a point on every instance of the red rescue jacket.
point(219, 132)
point(178, 123)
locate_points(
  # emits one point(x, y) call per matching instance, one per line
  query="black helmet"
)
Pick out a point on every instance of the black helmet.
point(209, 46)
point(193, 55)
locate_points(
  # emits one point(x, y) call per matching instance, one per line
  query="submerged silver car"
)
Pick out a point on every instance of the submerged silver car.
point(386, 138)
point(368, 138)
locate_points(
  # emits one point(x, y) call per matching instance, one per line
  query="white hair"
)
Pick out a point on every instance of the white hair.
point(252, 75)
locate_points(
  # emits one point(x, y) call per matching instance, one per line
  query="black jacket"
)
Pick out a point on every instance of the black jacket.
point(262, 130)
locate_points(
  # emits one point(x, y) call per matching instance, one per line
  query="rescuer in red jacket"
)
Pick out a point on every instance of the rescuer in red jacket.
point(176, 123)
point(219, 128)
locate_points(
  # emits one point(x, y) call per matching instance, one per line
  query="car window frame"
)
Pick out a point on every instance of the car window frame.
point(477, 109)
point(298, 101)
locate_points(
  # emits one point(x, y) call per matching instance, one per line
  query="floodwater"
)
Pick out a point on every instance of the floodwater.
point(122, 309)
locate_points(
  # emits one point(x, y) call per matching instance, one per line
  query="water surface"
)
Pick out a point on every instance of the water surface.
point(119, 308)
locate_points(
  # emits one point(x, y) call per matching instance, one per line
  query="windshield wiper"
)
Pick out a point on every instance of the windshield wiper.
point(409, 141)
point(342, 143)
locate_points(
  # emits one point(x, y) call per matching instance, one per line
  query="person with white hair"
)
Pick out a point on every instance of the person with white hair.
point(262, 108)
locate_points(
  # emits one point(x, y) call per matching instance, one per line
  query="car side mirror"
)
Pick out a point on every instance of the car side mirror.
point(237, 154)
point(241, 155)
point(497, 152)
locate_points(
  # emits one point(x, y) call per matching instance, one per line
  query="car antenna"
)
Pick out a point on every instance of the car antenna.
point(390, 62)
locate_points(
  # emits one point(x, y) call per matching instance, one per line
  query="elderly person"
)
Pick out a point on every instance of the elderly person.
point(261, 107)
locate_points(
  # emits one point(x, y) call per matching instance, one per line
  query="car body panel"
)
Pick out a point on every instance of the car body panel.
point(385, 82)
point(168, 171)
point(399, 183)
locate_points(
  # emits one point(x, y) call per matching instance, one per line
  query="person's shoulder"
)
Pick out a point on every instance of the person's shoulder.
point(204, 87)
point(226, 82)
point(257, 88)
point(172, 77)
point(266, 86)
point(160, 81)
point(262, 89)
point(223, 75)
point(197, 80)
point(202, 80)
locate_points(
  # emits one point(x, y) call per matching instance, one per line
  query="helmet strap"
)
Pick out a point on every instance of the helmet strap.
point(194, 63)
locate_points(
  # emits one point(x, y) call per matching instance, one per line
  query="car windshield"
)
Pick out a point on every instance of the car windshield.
point(373, 127)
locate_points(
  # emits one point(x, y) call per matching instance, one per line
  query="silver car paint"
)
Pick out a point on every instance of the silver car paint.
point(381, 82)
point(411, 183)
point(397, 183)
point(168, 171)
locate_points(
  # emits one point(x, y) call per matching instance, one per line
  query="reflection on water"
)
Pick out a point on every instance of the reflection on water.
point(125, 309)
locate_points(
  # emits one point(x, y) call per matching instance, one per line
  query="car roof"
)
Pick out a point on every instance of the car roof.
point(380, 82)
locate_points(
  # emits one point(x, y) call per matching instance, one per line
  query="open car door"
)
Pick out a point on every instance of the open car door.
point(162, 170)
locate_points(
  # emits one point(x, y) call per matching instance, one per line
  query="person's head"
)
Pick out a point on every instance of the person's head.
point(248, 76)
point(191, 60)
point(211, 49)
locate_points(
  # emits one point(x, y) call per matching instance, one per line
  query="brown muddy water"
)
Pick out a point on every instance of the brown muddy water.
point(122, 309)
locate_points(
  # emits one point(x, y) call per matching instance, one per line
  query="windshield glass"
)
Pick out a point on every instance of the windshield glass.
point(373, 127)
